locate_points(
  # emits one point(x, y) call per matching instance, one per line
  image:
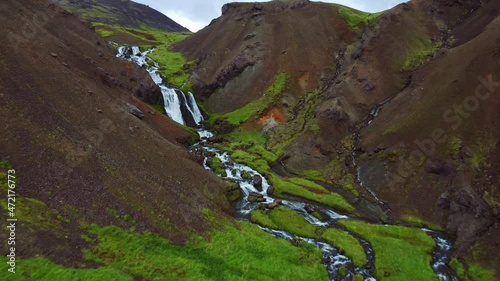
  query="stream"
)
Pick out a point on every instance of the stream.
point(183, 109)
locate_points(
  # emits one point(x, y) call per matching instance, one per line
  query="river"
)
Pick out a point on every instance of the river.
point(183, 109)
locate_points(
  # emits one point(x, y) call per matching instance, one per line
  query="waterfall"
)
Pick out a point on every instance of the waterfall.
point(183, 110)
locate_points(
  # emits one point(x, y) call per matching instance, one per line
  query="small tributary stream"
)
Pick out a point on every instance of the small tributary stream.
point(183, 109)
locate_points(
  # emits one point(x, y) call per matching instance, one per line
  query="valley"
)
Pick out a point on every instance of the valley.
point(233, 154)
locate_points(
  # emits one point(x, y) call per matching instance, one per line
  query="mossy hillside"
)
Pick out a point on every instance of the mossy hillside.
point(42, 269)
point(283, 187)
point(401, 253)
point(422, 48)
point(354, 17)
point(283, 135)
point(235, 252)
point(419, 222)
point(145, 33)
point(256, 107)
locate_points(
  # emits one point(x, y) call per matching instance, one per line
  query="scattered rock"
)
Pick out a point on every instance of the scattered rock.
point(65, 64)
point(469, 216)
point(274, 204)
point(134, 111)
point(257, 182)
point(250, 36)
point(99, 111)
point(438, 167)
point(54, 55)
point(310, 209)
point(256, 197)
point(270, 190)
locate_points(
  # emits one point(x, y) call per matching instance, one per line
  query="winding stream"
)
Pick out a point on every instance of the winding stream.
point(184, 110)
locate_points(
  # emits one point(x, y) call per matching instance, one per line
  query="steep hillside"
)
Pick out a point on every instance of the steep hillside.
point(239, 54)
point(122, 13)
point(347, 98)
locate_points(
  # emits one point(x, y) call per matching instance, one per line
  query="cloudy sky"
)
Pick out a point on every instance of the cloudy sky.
point(196, 14)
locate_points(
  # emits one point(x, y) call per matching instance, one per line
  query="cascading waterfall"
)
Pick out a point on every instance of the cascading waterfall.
point(178, 107)
point(183, 109)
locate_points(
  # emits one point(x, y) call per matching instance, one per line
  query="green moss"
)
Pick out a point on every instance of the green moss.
point(42, 269)
point(290, 221)
point(419, 53)
point(354, 17)
point(454, 146)
point(358, 277)
point(347, 244)
point(145, 33)
point(480, 151)
point(256, 107)
point(331, 199)
point(261, 218)
point(172, 66)
point(349, 185)
point(307, 183)
point(478, 273)
point(216, 166)
point(254, 161)
point(418, 222)
point(459, 269)
point(236, 252)
point(401, 253)
point(314, 175)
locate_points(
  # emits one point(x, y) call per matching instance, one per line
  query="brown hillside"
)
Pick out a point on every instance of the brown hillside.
point(238, 55)
point(68, 133)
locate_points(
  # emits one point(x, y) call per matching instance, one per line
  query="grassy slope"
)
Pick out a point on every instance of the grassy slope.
point(353, 17)
point(235, 252)
point(290, 221)
point(401, 253)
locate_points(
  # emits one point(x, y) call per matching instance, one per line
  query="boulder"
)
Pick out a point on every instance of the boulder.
point(270, 190)
point(274, 204)
point(147, 91)
point(256, 197)
point(438, 167)
point(257, 182)
point(134, 110)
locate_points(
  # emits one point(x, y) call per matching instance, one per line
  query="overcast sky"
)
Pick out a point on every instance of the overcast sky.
point(196, 14)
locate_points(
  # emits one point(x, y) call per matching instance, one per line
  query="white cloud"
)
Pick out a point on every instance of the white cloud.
point(185, 20)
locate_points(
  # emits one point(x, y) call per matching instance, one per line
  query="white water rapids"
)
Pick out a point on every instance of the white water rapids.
point(174, 103)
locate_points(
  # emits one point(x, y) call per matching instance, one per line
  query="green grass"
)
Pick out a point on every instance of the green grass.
point(256, 107)
point(416, 56)
point(459, 269)
point(314, 175)
point(479, 273)
point(251, 160)
point(285, 219)
point(145, 33)
point(347, 244)
point(42, 269)
point(401, 253)
point(290, 221)
point(172, 67)
point(307, 183)
point(354, 17)
point(330, 199)
point(418, 222)
point(261, 218)
point(236, 252)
